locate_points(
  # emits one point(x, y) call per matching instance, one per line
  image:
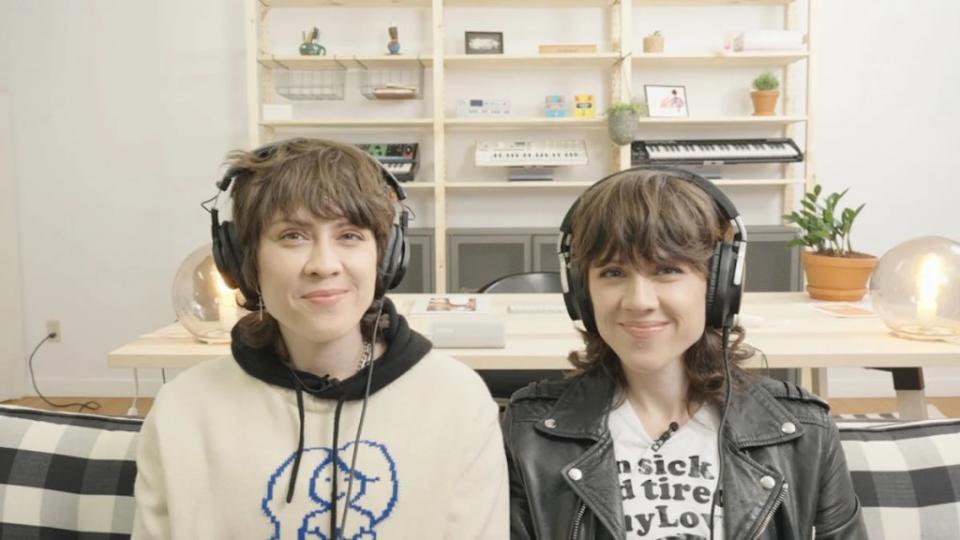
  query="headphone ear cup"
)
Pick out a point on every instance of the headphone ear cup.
point(723, 296)
point(395, 259)
point(232, 257)
point(581, 299)
point(714, 318)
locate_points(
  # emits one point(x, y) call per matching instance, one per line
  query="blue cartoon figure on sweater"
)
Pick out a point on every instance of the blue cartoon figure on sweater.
point(372, 497)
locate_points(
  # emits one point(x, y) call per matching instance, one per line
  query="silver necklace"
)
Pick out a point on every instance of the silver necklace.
point(366, 355)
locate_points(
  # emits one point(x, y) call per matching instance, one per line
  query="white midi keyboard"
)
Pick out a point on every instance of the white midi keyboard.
point(552, 153)
point(536, 308)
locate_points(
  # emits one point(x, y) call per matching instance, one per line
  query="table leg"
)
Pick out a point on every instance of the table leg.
point(806, 377)
point(912, 404)
point(911, 399)
point(818, 381)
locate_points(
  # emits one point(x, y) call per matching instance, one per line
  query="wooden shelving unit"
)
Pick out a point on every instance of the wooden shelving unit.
point(731, 60)
point(617, 60)
point(523, 123)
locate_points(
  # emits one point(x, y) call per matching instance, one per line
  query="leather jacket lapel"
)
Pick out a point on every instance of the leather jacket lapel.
point(753, 491)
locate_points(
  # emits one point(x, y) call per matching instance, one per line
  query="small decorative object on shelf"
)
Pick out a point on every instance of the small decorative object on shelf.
point(583, 106)
point(483, 42)
point(393, 46)
point(666, 101)
point(204, 305)
point(765, 94)
point(554, 107)
point(392, 83)
point(915, 288)
point(834, 270)
point(653, 43)
point(472, 108)
point(623, 121)
point(311, 45)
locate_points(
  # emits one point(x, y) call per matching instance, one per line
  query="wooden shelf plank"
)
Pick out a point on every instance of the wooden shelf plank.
point(681, 3)
point(503, 184)
point(346, 3)
point(350, 122)
point(519, 122)
point(530, 3)
point(729, 60)
point(759, 182)
point(516, 3)
point(724, 121)
point(342, 61)
point(417, 186)
point(521, 61)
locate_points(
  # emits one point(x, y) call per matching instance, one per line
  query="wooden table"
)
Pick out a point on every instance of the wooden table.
point(785, 326)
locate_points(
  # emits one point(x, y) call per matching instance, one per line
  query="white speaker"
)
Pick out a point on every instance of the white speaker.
point(467, 332)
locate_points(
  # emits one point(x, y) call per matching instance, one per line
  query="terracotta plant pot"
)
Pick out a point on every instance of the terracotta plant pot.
point(764, 102)
point(653, 44)
point(837, 278)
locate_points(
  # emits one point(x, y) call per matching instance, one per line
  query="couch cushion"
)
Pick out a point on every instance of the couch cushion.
point(66, 473)
point(907, 476)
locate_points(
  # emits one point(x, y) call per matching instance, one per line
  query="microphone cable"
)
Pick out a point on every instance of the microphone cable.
point(718, 494)
point(363, 415)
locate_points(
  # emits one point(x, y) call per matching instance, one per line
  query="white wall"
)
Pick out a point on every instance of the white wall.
point(12, 381)
point(122, 111)
point(887, 116)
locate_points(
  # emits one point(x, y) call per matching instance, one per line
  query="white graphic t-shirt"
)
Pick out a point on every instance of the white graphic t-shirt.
point(667, 492)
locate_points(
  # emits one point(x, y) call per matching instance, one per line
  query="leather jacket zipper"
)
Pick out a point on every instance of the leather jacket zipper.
point(784, 488)
point(575, 530)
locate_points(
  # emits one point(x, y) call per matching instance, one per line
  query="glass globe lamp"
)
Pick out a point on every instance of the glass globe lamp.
point(915, 289)
point(205, 306)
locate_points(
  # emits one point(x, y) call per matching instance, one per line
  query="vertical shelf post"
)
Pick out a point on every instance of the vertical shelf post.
point(439, 152)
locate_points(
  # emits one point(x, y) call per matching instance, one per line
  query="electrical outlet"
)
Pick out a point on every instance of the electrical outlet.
point(53, 327)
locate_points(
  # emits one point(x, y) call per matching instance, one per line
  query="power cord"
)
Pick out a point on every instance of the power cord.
point(89, 405)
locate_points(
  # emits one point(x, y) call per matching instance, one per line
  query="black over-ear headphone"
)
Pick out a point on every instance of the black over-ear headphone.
point(228, 253)
point(724, 284)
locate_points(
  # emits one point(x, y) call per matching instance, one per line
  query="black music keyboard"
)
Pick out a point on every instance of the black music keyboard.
point(714, 151)
point(401, 159)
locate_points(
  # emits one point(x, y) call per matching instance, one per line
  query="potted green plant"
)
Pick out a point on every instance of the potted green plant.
point(765, 94)
point(653, 43)
point(623, 120)
point(834, 270)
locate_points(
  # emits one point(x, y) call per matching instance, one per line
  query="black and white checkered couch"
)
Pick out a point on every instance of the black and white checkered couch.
point(66, 475)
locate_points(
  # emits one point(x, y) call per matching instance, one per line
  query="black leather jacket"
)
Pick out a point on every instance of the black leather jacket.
point(774, 430)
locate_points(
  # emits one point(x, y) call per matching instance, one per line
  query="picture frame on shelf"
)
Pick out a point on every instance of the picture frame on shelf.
point(483, 42)
point(666, 101)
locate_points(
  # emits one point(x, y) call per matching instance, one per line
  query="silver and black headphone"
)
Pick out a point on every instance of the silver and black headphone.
point(724, 284)
point(228, 253)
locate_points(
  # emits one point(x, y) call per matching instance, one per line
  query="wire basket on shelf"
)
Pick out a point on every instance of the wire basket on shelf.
point(392, 83)
point(311, 85)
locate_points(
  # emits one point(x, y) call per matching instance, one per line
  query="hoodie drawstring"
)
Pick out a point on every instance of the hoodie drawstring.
point(333, 485)
point(296, 460)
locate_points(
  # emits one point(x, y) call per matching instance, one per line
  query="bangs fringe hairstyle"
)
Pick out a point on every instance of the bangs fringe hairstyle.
point(328, 179)
point(664, 220)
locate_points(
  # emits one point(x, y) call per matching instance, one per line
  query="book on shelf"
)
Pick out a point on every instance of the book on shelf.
point(443, 304)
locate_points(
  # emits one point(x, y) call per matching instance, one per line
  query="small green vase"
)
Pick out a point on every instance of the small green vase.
point(312, 49)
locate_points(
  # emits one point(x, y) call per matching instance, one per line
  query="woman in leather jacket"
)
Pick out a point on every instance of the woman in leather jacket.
point(659, 434)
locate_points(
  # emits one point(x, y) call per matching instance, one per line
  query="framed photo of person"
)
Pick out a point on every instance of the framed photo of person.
point(483, 42)
point(666, 101)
